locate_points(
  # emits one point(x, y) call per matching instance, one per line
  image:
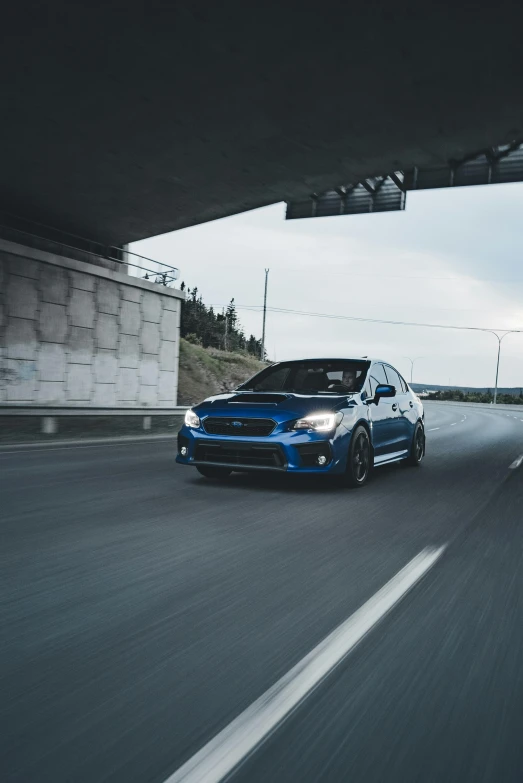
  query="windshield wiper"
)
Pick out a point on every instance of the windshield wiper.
point(308, 391)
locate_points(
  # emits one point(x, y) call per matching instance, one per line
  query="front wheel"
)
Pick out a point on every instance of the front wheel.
point(417, 449)
point(359, 460)
point(213, 473)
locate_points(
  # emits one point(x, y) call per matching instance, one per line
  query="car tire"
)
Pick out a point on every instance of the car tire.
point(417, 449)
point(359, 459)
point(214, 473)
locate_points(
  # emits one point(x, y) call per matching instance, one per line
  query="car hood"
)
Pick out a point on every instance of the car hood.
point(279, 406)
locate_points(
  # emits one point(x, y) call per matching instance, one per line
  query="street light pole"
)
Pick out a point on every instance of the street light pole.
point(497, 370)
point(412, 365)
point(499, 339)
point(262, 353)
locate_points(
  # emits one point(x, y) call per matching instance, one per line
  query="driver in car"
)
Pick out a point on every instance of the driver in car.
point(347, 382)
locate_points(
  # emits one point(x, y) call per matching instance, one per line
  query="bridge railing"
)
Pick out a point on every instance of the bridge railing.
point(65, 243)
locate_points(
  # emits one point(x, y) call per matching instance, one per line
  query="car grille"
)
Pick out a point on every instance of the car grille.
point(238, 426)
point(241, 455)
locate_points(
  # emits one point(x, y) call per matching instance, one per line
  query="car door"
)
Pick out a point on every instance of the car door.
point(384, 416)
point(404, 429)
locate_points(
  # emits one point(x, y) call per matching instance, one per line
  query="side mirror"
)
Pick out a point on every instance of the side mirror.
point(384, 390)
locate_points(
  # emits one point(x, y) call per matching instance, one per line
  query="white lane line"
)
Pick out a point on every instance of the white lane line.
point(437, 428)
point(517, 462)
point(245, 733)
point(453, 424)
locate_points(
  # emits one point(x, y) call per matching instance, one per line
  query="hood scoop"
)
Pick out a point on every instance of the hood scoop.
point(258, 399)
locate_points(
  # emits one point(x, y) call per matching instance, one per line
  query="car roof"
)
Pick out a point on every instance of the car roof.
point(362, 359)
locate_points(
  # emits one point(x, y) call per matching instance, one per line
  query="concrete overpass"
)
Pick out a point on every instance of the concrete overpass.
point(122, 122)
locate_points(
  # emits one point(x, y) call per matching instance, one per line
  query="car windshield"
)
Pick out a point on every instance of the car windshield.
point(330, 376)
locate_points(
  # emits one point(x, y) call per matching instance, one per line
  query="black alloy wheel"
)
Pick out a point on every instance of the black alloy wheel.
point(417, 449)
point(359, 462)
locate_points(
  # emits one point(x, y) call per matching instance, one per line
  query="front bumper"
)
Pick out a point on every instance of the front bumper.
point(293, 452)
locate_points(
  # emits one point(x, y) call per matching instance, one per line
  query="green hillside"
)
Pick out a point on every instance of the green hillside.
point(206, 371)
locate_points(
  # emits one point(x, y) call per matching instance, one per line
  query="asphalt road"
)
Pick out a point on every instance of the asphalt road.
point(144, 608)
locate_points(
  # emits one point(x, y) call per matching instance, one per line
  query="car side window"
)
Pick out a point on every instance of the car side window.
point(404, 384)
point(370, 386)
point(394, 379)
point(378, 374)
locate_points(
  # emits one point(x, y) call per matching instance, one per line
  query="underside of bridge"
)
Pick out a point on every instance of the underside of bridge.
point(122, 121)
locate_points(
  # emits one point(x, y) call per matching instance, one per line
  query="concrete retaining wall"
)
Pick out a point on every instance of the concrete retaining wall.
point(76, 334)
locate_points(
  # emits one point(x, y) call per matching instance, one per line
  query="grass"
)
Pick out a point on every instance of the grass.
point(207, 371)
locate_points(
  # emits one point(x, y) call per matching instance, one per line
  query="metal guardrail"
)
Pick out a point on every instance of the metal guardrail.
point(499, 406)
point(50, 415)
point(36, 410)
point(180, 410)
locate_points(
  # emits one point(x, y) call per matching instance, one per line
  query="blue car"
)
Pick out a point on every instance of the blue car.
point(339, 417)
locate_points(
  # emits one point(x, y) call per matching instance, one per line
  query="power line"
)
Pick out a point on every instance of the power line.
point(333, 316)
point(414, 307)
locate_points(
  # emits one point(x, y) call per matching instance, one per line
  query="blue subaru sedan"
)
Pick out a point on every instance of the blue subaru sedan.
point(324, 416)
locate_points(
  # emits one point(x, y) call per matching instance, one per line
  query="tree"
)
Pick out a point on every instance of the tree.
point(215, 330)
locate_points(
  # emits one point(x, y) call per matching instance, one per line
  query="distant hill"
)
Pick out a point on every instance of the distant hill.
point(515, 391)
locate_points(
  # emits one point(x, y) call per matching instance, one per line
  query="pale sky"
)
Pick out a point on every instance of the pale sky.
point(455, 256)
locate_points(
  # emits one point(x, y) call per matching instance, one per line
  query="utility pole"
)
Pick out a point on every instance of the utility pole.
point(262, 353)
point(225, 341)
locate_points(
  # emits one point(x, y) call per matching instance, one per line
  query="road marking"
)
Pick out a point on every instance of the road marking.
point(453, 424)
point(517, 462)
point(437, 428)
point(244, 734)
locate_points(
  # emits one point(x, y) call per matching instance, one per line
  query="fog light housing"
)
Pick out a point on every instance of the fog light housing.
point(183, 451)
point(314, 455)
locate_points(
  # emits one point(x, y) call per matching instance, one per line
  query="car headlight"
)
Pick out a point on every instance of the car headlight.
point(319, 422)
point(191, 419)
